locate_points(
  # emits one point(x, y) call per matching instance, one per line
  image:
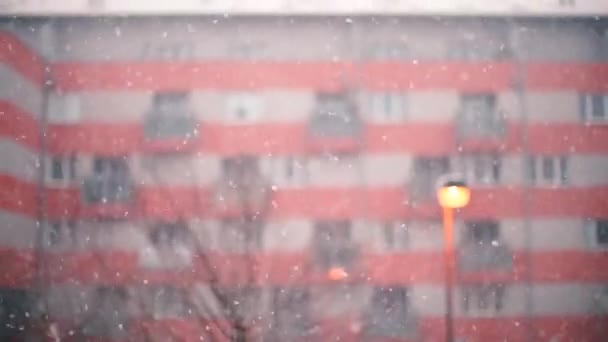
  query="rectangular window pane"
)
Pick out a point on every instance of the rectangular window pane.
point(57, 168)
point(602, 232)
point(548, 168)
point(597, 106)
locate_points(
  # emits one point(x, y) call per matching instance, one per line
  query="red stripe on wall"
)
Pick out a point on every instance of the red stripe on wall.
point(20, 57)
point(292, 139)
point(18, 125)
point(588, 77)
point(322, 76)
point(294, 268)
point(200, 75)
point(386, 203)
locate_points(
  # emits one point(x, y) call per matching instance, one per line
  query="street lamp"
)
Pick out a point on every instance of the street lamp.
point(452, 193)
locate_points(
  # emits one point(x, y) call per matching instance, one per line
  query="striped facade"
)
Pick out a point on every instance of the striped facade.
point(122, 139)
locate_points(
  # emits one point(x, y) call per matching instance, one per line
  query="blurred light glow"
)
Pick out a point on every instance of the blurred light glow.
point(454, 196)
point(337, 274)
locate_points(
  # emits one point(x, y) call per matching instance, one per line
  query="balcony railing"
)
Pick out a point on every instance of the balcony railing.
point(169, 126)
point(107, 189)
point(484, 257)
point(489, 124)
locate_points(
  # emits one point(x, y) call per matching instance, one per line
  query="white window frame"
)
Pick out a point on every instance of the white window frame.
point(591, 229)
point(69, 166)
point(560, 174)
point(64, 108)
point(249, 104)
point(388, 106)
point(588, 108)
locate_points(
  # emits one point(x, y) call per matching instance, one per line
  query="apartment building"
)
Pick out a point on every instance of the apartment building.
point(149, 160)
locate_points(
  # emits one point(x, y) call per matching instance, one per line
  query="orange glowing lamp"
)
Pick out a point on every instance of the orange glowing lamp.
point(454, 195)
point(337, 274)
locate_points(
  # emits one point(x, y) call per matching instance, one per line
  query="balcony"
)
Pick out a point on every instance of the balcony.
point(335, 125)
point(422, 186)
point(239, 197)
point(389, 315)
point(480, 130)
point(484, 259)
point(168, 132)
point(342, 255)
point(107, 195)
point(334, 250)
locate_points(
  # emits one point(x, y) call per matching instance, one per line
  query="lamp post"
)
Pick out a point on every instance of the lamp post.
point(451, 194)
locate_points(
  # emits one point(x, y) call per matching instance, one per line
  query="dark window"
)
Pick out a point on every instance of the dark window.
point(15, 306)
point(291, 313)
point(548, 168)
point(602, 232)
point(483, 232)
point(396, 235)
point(173, 102)
point(240, 236)
point(388, 313)
point(333, 244)
point(483, 297)
point(426, 172)
point(57, 168)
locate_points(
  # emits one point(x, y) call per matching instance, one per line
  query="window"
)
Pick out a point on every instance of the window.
point(594, 107)
point(64, 109)
point(240, 236)
point(168, 302)
point(244, 107)
point(483, 299)
point(172, 245)
point(548, 170)
point(388, 106)
point(333, 244)
point(482, 232)
point(110, 317)
point(291, 313)
point(396, 235)
point(170, 103)
point(567, 3)
point(597, 230)
point(387, 314)
point(168, 51)
point(599, 300)
point(471, 48)
point(61, 234)
point(63, 168)
point(481, 169)
point(290, 170)
point(479, 116)
point(426, 172)
point(240, 169)
point(247, 51)
point(15, 309)
point(388, 51)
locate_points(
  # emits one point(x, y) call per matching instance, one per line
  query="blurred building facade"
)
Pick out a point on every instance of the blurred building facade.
point(164, 154)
